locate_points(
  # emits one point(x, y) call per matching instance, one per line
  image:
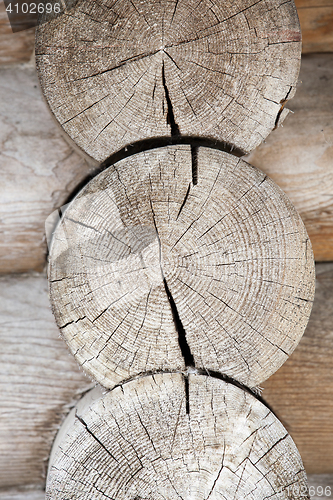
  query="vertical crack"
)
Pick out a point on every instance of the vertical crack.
point(187, 394)
point(184, 347)
point(184, 201)
point(175, 132)
point(283, 103)
point(194, 156)
point(174, 11)
point(194, 159)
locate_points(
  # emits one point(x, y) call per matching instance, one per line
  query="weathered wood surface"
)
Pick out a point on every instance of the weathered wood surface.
point(299, 155)
point(316, 26)
point(39, 380)
point(166, 436)
point(34, 401)
point(154, 268)
point(315, 481)
point(22, 495)
point(39, 170)
point(136, 70)
point(301, 392)
point(37, 167)
point(14, 47)
point(316, 18)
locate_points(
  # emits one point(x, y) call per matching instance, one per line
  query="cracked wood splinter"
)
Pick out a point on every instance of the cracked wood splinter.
point(155, 266)
point(114, 73)
point(139, 442)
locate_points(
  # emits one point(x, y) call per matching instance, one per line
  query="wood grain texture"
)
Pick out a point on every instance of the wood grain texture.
point(301, 392)
point(152, 438)
point(114, 73)
point(39, 380)
point(33, 404)
point(22, 495)
point(316, 26)
point(38, 170)
point(303, 4)
point(299, 155)
point(14, 47)
point(314, 481)
point(316, 18)
point(146, 260)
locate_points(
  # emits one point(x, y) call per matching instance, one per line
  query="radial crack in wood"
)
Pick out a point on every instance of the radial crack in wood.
point(114, 73)
point(232, 250)
point(138, 442)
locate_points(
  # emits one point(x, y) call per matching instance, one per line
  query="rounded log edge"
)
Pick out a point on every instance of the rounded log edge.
point(174, 258)
point(170, 436)
point(114, 73)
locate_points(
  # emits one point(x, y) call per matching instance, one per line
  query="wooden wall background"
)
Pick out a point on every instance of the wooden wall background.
point(38, 378)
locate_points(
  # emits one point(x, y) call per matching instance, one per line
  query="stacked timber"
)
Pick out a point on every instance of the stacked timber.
point(181, 259)
point(208, 286)
point(36, 404)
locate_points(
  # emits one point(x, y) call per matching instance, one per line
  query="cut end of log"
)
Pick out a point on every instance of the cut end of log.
point(175, 258)
point(115, 75)
point(153, 439)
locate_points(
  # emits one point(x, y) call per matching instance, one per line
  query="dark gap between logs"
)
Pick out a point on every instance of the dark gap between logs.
point(154, 143)
point(161, 142)
point(206, 373)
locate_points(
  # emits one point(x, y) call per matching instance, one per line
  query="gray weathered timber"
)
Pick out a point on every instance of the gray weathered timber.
point(156, 437)
point(37, 167)
point(114, 73)
point(38, 170)
point(145, 260)
point(39, 381)
point(22, 495)
point(315, 482)
point(301, 392)
point(299, 155)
